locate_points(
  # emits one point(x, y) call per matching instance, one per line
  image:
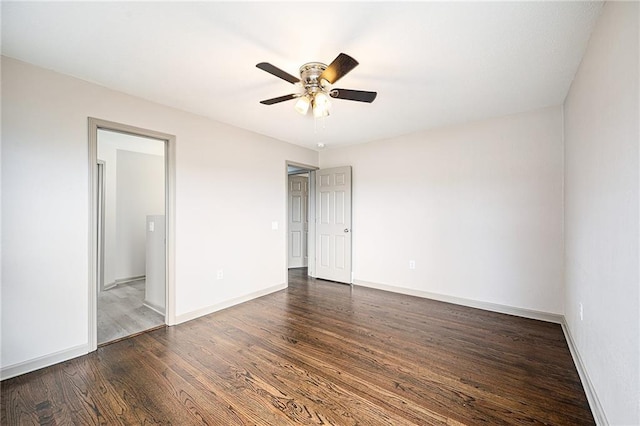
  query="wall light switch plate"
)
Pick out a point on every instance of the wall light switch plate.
point(412, 264)
point(581, 309)
point(274, 226)
point(219, 274)
point(151, 226)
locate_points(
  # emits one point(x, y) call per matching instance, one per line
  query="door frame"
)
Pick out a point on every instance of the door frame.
point(100, 187)
point(94, 124)
point(311, 213)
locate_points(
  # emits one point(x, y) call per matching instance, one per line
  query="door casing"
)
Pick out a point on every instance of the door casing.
point(170, 141)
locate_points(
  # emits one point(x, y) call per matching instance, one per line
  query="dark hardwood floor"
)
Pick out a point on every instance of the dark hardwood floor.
point(316, 353)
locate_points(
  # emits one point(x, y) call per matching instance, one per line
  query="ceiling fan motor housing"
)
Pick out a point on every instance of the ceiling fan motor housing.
point(310, 77)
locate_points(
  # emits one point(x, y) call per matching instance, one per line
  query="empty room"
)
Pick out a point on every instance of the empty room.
point(193, 197)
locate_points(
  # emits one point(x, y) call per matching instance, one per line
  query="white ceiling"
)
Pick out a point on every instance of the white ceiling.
point(432, 63)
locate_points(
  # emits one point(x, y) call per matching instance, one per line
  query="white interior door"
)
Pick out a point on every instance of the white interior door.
point(333, 224)
point(298, 222)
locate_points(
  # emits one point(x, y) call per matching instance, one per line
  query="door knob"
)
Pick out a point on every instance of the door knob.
point(346, 230)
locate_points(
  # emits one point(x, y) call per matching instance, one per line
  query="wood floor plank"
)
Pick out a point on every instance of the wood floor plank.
point(317, 353)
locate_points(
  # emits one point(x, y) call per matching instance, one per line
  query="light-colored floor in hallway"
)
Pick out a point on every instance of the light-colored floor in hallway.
point(121, 312)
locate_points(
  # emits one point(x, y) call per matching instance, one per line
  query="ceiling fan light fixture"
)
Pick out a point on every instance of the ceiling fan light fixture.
point(302, 104)
point(316, 81)
point(321, 105)
point(319, 112)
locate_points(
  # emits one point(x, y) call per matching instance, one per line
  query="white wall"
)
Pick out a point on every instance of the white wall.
point(139, 193)
point(231, 184)
point(602, 214)
point(477, 206)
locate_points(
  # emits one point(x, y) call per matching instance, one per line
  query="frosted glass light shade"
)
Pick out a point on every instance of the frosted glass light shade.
point(302, 104)
point(321, 105)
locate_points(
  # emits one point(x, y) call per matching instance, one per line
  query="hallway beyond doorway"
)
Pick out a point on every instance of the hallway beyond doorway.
point(121, 312)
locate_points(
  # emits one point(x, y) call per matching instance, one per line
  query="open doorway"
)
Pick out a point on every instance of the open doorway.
point(327, 226)
point(131, 283)
point(300, 218)
point(131, 215)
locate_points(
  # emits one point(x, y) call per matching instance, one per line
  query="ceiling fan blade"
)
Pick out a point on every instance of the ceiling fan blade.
point(353, 95)
point(338, 68)
point(278, 99)
point(265, 66)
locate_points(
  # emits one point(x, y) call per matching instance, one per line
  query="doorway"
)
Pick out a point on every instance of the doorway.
point(300, 218)
point(328, 221)
point(131, 260)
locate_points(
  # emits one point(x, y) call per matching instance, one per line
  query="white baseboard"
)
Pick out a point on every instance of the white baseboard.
point(129, 279)
point(119, 281)
point(227, 304)
point(487, 306)
point(43, 361)
point(109, 286)
point(589, 390)
point(154, 307)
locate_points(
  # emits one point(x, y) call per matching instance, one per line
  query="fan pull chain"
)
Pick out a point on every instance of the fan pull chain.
point(315, 123)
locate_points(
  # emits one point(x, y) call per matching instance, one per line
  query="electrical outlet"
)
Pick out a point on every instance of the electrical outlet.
point(412, 264)
point(581, 309)
point(219, 274)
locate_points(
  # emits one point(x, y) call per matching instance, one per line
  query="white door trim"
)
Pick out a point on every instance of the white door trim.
point(170, 185)
point(100, 186)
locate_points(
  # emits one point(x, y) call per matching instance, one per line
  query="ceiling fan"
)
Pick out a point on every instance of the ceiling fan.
point(317, 79)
